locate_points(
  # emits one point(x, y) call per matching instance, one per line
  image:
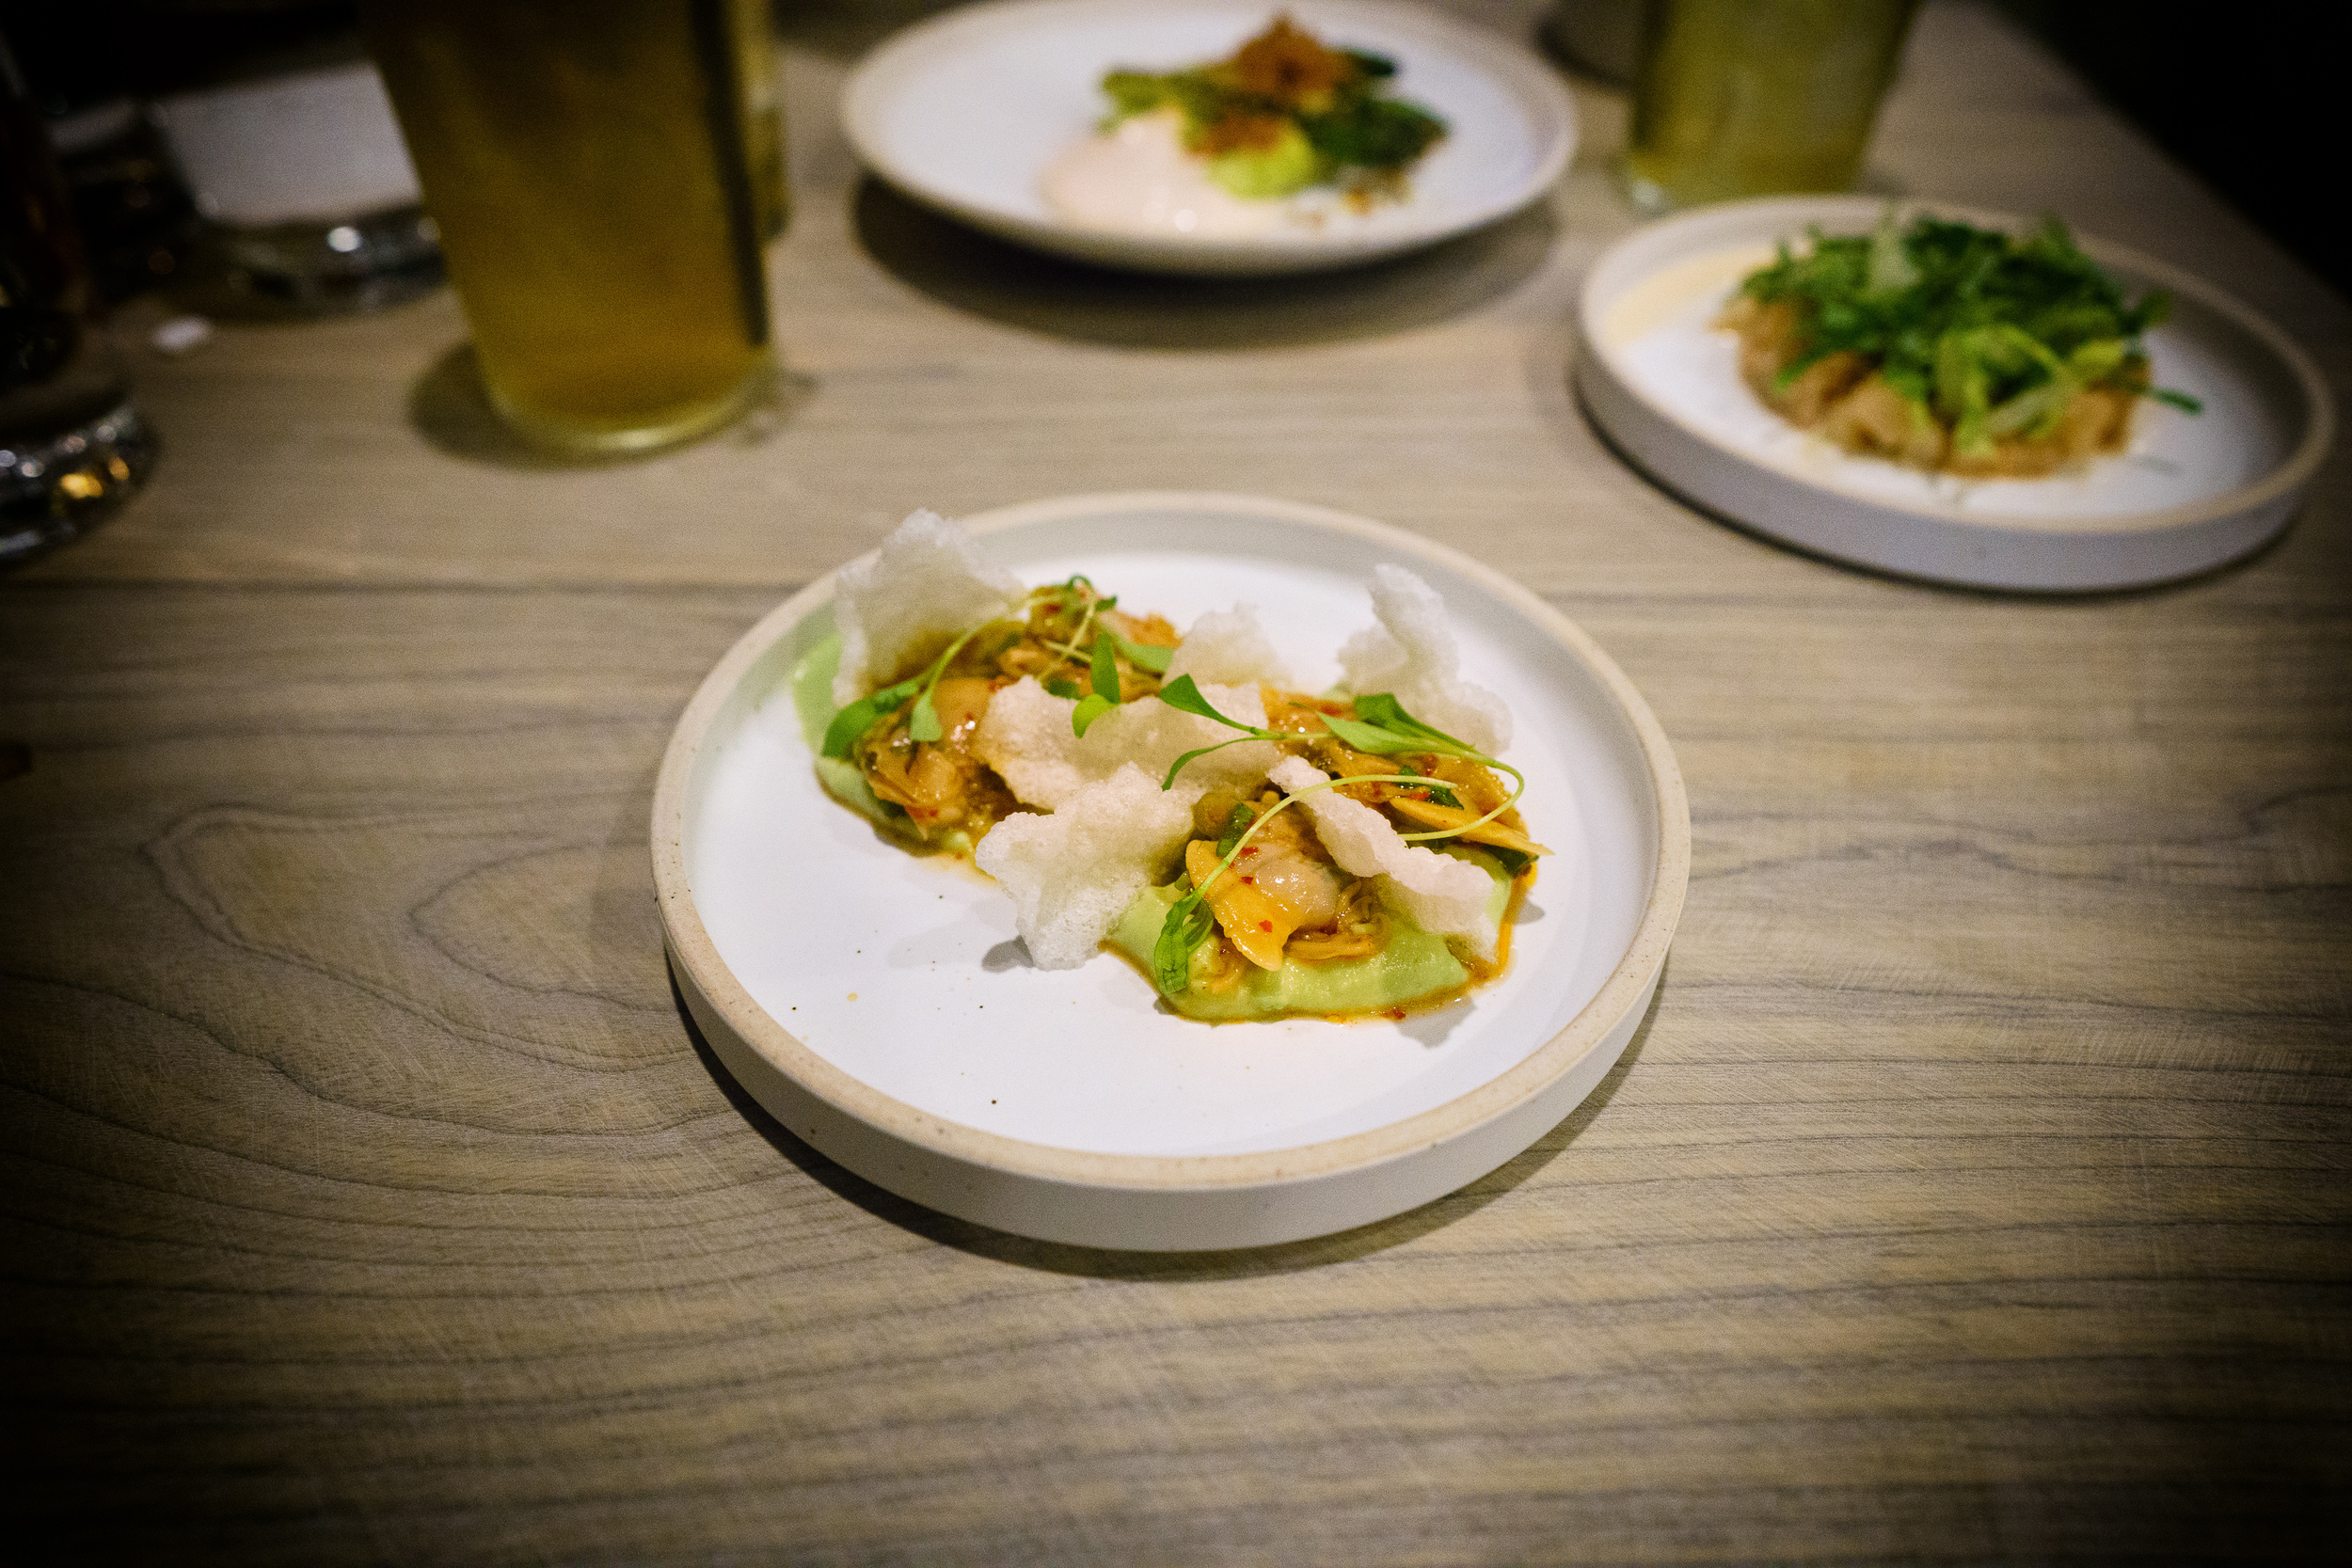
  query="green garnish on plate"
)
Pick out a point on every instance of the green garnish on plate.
point(1946, 345)
point(1285, 113)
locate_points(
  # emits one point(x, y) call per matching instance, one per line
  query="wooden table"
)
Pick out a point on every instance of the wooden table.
point(1975, 1190)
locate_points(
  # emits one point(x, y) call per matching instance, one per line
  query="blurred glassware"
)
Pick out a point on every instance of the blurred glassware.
point(263, 114)
point(138, 223)
point(307, 188)
point(1600, 38)
point(763, 114)
point(73, 446)
point(588, 167)
point(1739, 97)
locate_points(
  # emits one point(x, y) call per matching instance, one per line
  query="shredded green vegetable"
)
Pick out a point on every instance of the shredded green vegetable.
point(1992, 335)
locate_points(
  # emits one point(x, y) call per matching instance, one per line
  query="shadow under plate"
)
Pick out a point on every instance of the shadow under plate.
point(970, 271)
point(1107, 1263)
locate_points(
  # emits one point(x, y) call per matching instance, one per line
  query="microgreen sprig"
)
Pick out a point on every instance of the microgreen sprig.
point(923, 723)
point(859, 717)
point(1189, 921)
point(1103, 673)
point(1182, 693)
point(1381, 727)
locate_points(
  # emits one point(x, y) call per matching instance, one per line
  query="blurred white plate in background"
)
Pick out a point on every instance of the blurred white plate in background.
point(2191, 492)
point(964, 113)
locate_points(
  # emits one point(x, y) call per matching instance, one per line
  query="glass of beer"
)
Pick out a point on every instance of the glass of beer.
point(1736, 97)
point(586, 161)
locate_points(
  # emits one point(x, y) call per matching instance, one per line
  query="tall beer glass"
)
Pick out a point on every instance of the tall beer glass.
point(585, 162)
point(1737, 97)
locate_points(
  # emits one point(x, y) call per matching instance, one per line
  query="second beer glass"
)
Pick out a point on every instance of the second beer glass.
point(585, 162)
point(1736, 97)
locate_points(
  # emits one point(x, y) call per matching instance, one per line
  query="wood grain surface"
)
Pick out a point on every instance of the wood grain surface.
point(1975, 1190)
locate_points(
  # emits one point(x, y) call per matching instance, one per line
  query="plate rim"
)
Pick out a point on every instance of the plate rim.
point(1511, 64)
point(1628, 984)
point(2275, 490)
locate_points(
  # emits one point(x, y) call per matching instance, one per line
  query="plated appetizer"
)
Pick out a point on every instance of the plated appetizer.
point(1949, 347)
point(1216, 150)
point(1257, 851)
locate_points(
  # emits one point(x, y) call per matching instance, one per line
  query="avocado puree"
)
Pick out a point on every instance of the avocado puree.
point(811, 700)
point(1414, 964)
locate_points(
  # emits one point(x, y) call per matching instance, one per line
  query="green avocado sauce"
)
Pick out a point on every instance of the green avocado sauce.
point(811, 701)
point(1413, 966)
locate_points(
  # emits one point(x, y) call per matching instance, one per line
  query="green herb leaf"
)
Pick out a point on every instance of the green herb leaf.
point(1182, 693)
point(1382, 708)
point(1186, 926)
point(1061, 687)
point(1439, 794)
point(1178, 765)
point(1088, 711)
point(1890, 270)
point(1513, 862)
point(859, 717)
point(1103, 670)
point(1143, 655)
point(2178, 400)
point(1374, 738)
point(1236, 824)
point(923, 723)
point(1383, 728)
point(1373, 133)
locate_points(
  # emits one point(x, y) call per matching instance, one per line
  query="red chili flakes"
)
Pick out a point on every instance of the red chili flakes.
point(1265, 925)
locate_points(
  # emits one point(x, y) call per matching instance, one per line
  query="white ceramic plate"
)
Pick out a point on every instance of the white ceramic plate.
point(964, 113)
point(882, 1007)
point(2190, 493)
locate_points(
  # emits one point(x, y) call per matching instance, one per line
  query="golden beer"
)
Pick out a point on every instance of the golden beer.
point(1737, 97)
point(585, 162)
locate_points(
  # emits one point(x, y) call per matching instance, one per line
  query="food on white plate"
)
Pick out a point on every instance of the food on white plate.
point(1241, 145)
point(1257, 851)
point(1949, 347)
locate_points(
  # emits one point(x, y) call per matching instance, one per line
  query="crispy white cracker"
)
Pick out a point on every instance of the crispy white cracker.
point(1230, 647)
point(1411, 654)
point(1152, 736)
point(925, 585)
point(1025, 737)
point(1073, 873)
point(1437, 893)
